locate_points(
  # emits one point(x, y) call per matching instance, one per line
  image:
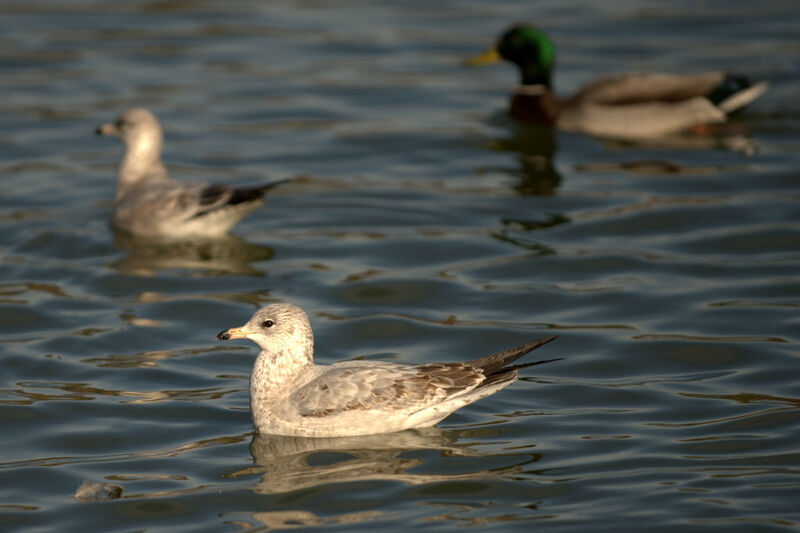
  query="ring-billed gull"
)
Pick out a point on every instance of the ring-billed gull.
point(149, 203)
point(290, 395)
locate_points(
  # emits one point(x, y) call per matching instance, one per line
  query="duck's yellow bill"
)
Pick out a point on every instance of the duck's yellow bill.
point(489, 56)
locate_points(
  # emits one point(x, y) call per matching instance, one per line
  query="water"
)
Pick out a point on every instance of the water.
point(423, 225)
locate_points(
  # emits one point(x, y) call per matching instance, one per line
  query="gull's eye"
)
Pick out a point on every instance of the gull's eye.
point(267, 324)
point(119, 123)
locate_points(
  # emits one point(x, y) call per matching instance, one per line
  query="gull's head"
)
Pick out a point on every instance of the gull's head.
point(137, 127)
point(276, 327)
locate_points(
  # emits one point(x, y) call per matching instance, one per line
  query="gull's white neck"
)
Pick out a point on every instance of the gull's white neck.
point(275, 369)
point(141, 162)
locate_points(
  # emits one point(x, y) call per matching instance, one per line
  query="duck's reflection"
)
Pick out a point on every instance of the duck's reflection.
point(536, 146)
point(291, 463)
point(730, 137)
point(227, 255)
point(536, 149)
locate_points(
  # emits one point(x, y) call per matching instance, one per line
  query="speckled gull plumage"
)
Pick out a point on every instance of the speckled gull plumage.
point(291, 395)
point(148, 203)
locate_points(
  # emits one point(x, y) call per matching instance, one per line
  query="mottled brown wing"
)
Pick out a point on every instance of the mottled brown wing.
point(373, 385)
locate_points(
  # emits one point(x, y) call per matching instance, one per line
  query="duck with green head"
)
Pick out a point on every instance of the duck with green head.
point(624, 106)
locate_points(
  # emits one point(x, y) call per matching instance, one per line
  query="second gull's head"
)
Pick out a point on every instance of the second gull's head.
point(137, 127)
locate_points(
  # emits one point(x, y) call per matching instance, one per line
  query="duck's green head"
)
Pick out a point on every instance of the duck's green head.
point(528, 48)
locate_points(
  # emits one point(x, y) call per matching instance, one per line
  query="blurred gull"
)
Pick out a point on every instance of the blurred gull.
point(290, 395)
point(149, 203)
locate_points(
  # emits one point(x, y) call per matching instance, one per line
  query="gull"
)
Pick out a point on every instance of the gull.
point(148, 203)
point(291, 395)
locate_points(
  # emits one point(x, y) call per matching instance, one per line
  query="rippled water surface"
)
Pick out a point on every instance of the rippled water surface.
point(422, 225)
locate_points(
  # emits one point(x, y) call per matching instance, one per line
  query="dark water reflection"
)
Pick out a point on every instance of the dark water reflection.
point(536, 147)
point(228, 255)
point(422, 225)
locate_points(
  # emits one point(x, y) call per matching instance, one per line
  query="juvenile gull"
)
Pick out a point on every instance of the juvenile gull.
point(149, 203)
point(290, 395)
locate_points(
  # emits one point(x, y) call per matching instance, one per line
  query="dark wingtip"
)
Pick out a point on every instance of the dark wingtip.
point(544, 361)
point(541, 342)
point(223, 335)
point(527, 365)
point(268, 186)
point(241, 194)
point(538, 344)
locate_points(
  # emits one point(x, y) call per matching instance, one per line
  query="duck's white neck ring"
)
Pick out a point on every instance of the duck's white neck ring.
point(532, 90)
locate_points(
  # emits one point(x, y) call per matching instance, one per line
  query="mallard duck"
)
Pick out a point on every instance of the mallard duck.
point(625, 106)
point(149, 203)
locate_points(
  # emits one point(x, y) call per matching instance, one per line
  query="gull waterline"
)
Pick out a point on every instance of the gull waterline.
point(290, 395)
point(149, 203)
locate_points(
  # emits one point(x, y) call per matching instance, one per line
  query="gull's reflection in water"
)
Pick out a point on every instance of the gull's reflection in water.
point(292, 463)
point(226, 255)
